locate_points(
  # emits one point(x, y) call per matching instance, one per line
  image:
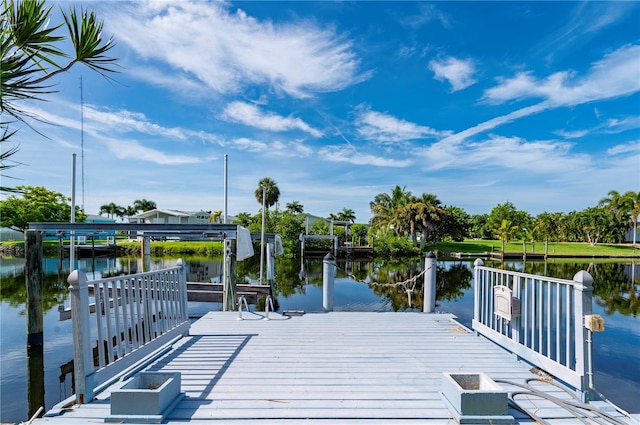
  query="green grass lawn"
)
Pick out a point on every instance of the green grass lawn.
point(555, 248)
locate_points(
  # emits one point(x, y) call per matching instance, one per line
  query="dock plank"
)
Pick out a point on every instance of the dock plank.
point(329, 368)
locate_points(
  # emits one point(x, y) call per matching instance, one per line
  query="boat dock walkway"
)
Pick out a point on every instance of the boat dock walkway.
point(337, 367)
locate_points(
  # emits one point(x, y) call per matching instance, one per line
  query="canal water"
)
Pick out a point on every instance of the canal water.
point(30, 380)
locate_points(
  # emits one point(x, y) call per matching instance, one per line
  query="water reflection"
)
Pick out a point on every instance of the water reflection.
point(299, 286)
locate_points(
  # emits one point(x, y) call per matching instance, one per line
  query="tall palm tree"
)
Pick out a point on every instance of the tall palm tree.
point(634, 204)
point(295, 207)
point(144, 205)
point(430, 214)
point(272, 193)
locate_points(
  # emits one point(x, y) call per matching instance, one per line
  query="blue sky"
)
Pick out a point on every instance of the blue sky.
point(536, 103)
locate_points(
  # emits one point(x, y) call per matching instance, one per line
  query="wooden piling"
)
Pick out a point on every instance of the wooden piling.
point(33, 280)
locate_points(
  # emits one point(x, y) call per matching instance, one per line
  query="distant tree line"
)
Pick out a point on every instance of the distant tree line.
point(401, 223)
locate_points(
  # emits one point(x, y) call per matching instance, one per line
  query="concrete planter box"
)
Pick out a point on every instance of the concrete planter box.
point(475, 398)
point(148, 398)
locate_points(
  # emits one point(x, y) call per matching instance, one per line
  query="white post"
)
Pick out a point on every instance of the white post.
point(72, 239)
point(228, 287)
point(271, 270)
point(183, 289)
point(264, 197)
point(225, 190)
point(82, 351)
point(583, 290)
point(429, 302)
point(328, 278)
point(476, 288)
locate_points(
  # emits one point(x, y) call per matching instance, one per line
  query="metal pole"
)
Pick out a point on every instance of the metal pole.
point(72, 249)
point(429, 302)
point(225, 190)
point(264, 196)
point(328, 278)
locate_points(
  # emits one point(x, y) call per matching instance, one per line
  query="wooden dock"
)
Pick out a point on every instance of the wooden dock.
point(336, 367)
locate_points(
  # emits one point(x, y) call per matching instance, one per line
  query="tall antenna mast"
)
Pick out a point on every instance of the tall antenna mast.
point(82, 139)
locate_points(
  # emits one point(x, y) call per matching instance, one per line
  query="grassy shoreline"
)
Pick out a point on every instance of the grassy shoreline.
point(468, 246)
point(555, 249)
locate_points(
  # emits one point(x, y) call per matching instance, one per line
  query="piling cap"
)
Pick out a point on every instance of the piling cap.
point(329, 257)
point(430, 254)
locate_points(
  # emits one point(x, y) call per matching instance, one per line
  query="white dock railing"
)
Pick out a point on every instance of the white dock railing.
point(135, 315)
point(540, 319)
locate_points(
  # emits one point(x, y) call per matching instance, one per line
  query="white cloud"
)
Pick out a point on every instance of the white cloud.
point(426, 14)
point(131, 149)
point(385, 128)
point(246, 144)
point(617, 74)
point(228, 51)
point(459, 73)
point(631, 147)
point(345, 154)
point(537, 157)
point(250, 115)
point(576, 134)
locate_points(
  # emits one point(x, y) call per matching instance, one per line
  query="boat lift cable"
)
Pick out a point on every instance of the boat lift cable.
point(581, 411)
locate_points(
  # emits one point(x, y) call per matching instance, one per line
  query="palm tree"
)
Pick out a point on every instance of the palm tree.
point(505, 232)
point(130, 211)
point(295, 207)
point(430, 213)
point(111, 209)
point(144, 205)
point(347, 214)
point(243, 219)
point(272, 193)
point(30, 54)
point(385, 210)
point(634, 201)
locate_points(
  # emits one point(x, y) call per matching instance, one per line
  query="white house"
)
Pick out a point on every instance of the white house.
point(162, 216)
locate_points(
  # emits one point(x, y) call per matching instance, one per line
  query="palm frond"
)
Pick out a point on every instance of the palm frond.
point(86, 36)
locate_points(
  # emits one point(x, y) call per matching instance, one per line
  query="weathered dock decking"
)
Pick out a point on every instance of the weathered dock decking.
point(330, 368)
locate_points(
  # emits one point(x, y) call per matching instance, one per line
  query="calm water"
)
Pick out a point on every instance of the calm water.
point(299, 287)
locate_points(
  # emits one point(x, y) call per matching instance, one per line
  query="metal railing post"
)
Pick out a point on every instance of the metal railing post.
point(182, 282)
point(328, 278)
point(429, 296)
point(583, 291)
point(82, 352)
point(477, 281)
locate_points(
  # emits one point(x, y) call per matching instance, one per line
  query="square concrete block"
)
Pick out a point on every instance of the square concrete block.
point(148, 394)
point(475, 395)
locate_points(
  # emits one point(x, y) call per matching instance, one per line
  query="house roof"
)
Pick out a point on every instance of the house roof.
point(175, 213)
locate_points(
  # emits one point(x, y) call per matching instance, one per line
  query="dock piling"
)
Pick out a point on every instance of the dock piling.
point(429, 302)
point(33, 280)
point(328, 278)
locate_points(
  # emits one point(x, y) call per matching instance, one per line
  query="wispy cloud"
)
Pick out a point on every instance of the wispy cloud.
point(458, 72)
point(427, 13)
point(617, 74)
point(576, 134)
point(345, 154)
point(507, 153)
point(384, 128)
point(251, 115)
point(131, 149)
point(629, 148)
point(230, 50)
